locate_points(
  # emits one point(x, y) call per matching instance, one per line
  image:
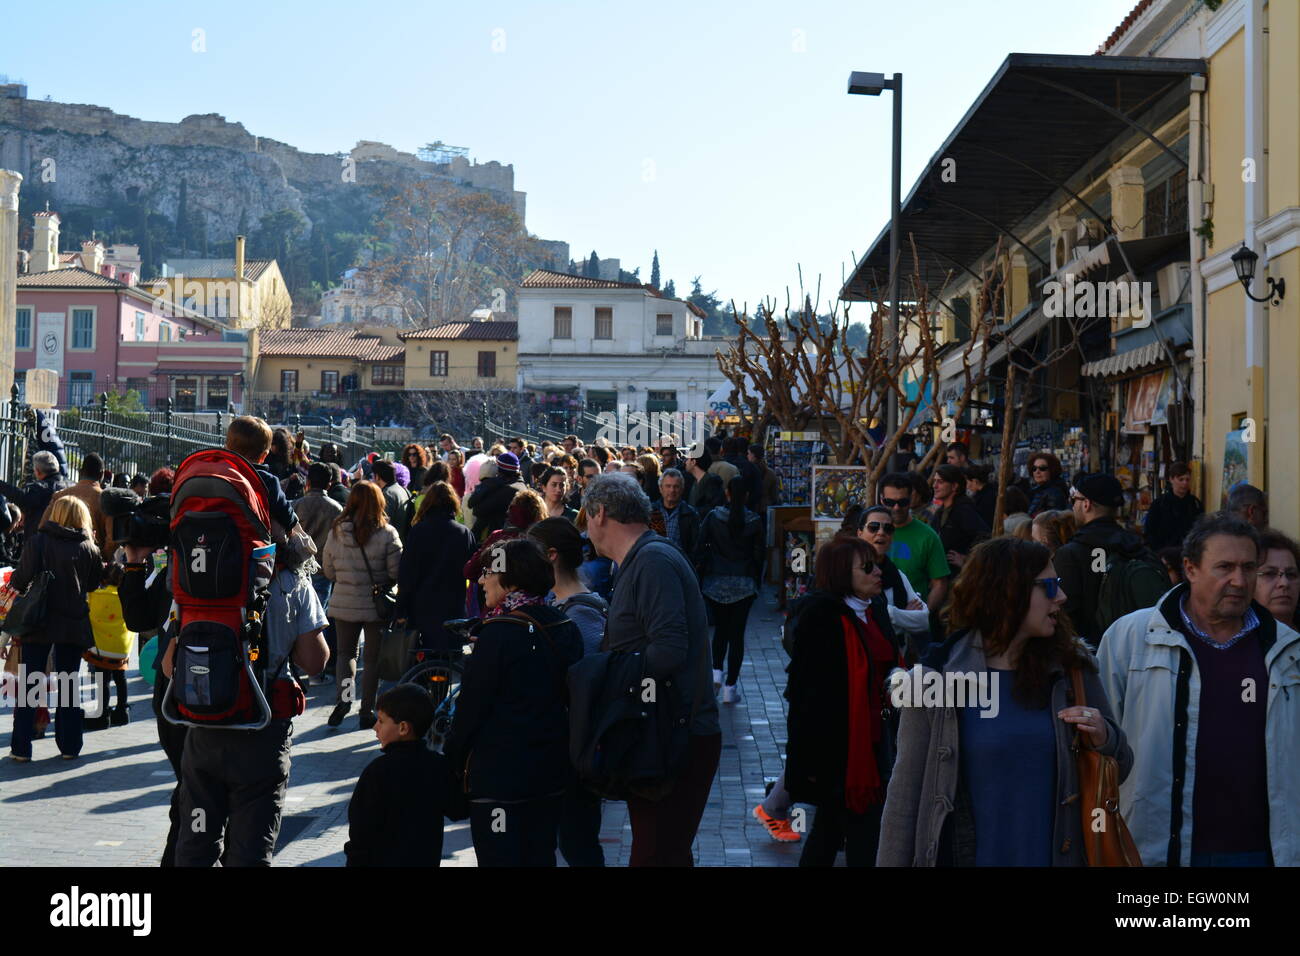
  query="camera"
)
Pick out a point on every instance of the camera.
point(141, 522)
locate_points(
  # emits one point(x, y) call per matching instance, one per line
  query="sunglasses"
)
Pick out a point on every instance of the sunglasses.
point(1051, 585)
point(875, 526)
point(868, 567)
point(896, 502)
point(1040, 468)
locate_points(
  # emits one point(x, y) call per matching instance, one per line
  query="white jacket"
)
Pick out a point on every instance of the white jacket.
point(1142, 660)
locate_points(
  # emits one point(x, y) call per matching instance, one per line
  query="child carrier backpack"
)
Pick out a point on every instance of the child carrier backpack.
point(221, 563)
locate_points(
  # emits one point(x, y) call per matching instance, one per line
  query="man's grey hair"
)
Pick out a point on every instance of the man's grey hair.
point(620, 495)
point(1216, 522)
point(1243, 496)
point(44, 463)
point(672, 473)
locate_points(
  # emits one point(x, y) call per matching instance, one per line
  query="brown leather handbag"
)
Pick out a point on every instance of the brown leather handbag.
point(1106, 840)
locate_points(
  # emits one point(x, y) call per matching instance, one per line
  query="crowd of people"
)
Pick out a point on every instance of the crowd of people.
point(553, 555)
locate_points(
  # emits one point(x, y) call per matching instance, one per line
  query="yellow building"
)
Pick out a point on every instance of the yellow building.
point(462, 355)
point(245, 293)
point(1252, 197)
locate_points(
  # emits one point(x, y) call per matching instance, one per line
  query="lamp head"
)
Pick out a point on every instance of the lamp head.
point(1243, 261)
point(866, 84)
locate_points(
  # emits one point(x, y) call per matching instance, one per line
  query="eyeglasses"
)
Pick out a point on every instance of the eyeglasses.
point(896, 502)
point(875, 526)
point(1040, 468)
point(1074, 498)
point(868, 567)
point(1272, 574)
point(1051, 585)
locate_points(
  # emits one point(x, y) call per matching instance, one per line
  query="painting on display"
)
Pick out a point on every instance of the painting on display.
point(1236, 461)
point(835, 489)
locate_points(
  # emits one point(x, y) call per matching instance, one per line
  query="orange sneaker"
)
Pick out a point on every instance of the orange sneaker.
point(778, 830)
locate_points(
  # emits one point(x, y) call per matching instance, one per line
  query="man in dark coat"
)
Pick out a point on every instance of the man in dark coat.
point(34, 497)
point(958, 524)
point(493, 495)
point(672, 516)
point(1173, 513)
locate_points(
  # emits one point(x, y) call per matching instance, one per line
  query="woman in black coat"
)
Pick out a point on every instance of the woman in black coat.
point(65, 546)
point(1047, 488)
point(430, 585)
point(510, 738)
point(840, 749)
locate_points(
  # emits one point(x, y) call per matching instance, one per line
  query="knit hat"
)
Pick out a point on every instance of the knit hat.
point(1104, 489)
point(506, 461)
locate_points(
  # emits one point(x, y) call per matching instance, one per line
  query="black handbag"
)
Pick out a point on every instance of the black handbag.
point(28, 612)
point(383, 595)
point(395, 647)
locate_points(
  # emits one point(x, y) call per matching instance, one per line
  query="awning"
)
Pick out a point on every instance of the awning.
point(551, 388)
point(189, 372)
point(1110, 260)
point(1150, 354)
point(1037, 126)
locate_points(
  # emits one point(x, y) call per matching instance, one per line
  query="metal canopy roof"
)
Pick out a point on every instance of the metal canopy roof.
point(1040, 120)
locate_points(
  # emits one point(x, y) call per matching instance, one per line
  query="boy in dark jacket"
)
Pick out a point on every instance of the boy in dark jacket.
point(395, 815)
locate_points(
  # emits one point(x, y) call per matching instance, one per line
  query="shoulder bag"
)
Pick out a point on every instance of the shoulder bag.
point(1106, 840)
point(382, 594)
point(28, 613)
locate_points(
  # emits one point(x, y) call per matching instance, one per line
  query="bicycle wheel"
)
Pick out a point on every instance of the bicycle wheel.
point(440, 679)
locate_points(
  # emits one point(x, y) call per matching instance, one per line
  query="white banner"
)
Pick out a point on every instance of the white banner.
point(50, 330)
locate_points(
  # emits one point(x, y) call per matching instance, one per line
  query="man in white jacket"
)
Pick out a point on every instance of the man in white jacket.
point(1206, 686)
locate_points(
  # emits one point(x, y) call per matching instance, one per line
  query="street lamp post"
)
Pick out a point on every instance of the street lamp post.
point(873, 84)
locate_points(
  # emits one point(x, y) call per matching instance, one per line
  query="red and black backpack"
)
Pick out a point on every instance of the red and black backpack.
point(222, 560)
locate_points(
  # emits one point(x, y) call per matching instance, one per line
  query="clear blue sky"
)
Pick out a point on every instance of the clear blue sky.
point(698, 128)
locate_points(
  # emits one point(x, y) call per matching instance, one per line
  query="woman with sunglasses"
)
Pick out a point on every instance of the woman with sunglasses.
point(1277, 582)
point(1047, 489)
point(416, 459)
point(907, 612)
point(995, 782)
point(840, 746)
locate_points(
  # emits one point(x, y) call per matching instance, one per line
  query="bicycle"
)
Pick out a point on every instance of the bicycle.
point(439, 674)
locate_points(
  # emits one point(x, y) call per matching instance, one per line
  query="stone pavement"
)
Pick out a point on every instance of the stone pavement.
point(109, 808)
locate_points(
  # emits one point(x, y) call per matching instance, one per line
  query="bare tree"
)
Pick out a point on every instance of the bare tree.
point(451, 250)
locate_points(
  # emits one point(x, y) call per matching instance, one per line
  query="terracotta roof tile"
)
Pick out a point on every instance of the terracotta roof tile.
point(467, 331)
point(1128, 21)
point(73, 278)
point(327, 343)
point(547, 279)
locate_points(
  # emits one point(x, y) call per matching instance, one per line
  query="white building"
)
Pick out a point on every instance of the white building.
point(353, 302)
point(614, 343)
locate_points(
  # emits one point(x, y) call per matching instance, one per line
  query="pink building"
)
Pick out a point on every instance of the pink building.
point(101, 333)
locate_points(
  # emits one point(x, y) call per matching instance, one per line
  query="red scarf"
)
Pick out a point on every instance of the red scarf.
point(865, 649)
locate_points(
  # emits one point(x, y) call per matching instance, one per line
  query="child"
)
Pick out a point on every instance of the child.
point(108, 658)
point(395, 816)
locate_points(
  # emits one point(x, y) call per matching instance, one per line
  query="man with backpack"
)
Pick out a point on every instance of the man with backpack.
point(1105, 571)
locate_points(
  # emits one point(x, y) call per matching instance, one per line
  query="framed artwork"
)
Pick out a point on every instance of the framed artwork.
point(835, 489)
point(1236, 461)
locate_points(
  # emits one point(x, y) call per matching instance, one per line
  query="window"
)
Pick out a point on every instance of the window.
point(598, 402)
point(329, 382)
point(139, 326)
point(164, 332)
point(604, 323)
point(437, 363)
point(218, 394)
point(81, 388)
point(187, 392)
point(664, 323)
point(388, 375)
point(347, 313)
point(20, 379)
point(289, 380)
point(23, 328)
point(563, 322)
point(487, 364)
point(83, 328)
point(1166, 207)
point(660, 401)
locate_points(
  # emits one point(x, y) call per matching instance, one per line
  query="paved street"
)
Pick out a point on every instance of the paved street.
point(109, 808)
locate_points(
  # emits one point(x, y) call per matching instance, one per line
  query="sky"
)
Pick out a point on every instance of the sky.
point(718, 133)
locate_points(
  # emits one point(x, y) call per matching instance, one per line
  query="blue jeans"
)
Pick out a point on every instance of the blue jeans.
point(1260, 858)
point(324, 587)
point(67, 718)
